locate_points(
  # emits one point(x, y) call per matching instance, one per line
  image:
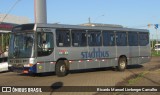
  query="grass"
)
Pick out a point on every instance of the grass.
point(137, 77)
point(154, 53)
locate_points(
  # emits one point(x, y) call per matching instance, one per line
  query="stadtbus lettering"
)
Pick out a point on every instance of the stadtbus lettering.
point(95, 54)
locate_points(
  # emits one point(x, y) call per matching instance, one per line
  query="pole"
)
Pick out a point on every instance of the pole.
point(2, 42)
point(40, 11)
point(89, 20)
point(152, 41)
point(157, 38)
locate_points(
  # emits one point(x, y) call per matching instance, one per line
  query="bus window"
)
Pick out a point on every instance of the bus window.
point(132, 38)
point(121, 38)
point(94, 38)
point(79, 38)
point(45, 44)
point(108, 38)
point(143, 39)
point(63, 38)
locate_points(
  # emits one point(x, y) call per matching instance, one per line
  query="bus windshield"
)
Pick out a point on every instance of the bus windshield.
point(21, 45)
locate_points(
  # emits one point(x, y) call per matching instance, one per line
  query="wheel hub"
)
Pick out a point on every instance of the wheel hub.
point(62, 68)
point(123, 64)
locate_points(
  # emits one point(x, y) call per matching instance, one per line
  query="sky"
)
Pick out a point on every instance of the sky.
point(129, 13)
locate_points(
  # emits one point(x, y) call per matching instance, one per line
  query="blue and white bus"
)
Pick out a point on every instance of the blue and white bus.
point(5, 29)
point(39, 48)
point(4, 42)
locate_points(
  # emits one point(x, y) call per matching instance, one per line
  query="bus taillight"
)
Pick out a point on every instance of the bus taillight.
point(25, 71)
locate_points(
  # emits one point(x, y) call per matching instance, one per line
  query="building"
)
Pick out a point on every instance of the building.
point(14, 19)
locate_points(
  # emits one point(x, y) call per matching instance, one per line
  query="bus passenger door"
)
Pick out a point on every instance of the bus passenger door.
point(45, 48)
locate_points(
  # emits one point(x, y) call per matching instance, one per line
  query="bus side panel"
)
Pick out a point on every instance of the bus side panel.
point(133, 55)
point(79, 55)
point(88, 57)
point(93, 54)
point(145, 54)
point(111, 59)
point(45, 64)
point(73, 55)
point(122, 50)
point(40, 68)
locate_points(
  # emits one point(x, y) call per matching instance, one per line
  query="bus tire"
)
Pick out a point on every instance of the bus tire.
point(61, 69)
point(122, 64)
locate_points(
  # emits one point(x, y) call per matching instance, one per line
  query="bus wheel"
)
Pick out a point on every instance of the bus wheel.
point(61, 69)
point(122, 62)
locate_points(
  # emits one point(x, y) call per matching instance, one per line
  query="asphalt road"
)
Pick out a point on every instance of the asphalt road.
point(93, 77)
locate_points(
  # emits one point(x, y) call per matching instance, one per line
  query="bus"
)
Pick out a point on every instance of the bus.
point(59, 48)
point(4, 43)
point(5, 29)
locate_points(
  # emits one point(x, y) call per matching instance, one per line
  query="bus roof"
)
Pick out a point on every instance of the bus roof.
point(66, 26)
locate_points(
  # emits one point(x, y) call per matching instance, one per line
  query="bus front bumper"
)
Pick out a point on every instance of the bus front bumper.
point(20, 68)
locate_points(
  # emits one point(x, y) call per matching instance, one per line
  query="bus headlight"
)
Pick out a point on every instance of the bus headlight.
point(9, 65)
point(28, 65)
point(31, 60)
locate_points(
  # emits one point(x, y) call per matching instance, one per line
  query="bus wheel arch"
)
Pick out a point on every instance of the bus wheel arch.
point(122, 63)
point(62, 67)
